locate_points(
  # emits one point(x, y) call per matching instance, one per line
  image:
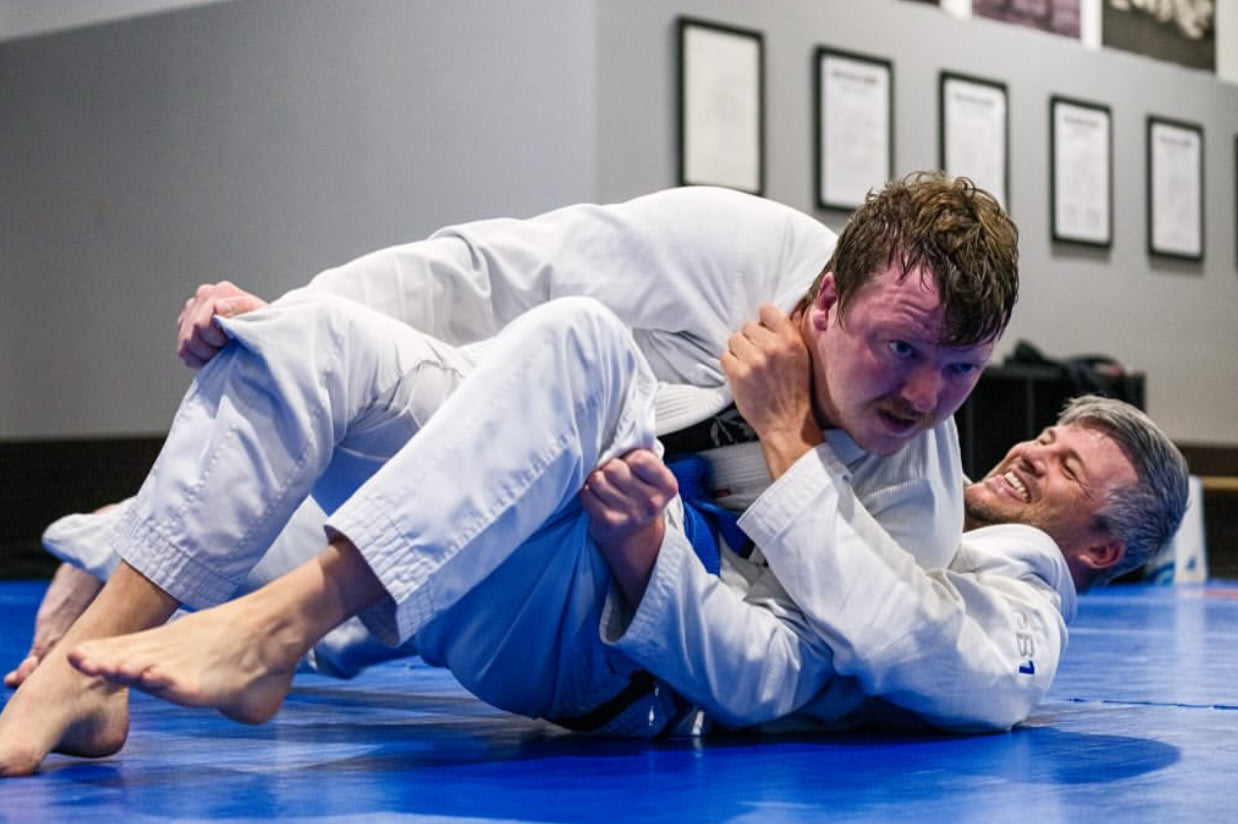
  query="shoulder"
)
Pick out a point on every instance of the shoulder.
point(1017, 551)
point(717, 203)
point(1011, 540)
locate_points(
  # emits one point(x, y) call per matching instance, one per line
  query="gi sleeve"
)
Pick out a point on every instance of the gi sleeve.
point(742, 661)
point(970, 648)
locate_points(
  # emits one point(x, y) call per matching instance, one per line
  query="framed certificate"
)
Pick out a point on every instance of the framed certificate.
point(1175, 188)
point(855, 127)
point(974, 120)
point(1081, 171)
point(721, 106)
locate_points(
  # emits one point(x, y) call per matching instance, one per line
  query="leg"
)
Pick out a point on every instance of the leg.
point(303, 380)
point(256, 432)
point(561, 390)
point(68, 594)
point(240, 657)
point(80, 540)
point(83, 541)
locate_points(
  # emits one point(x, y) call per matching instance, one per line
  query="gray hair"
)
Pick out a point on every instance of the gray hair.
point(1146, 514)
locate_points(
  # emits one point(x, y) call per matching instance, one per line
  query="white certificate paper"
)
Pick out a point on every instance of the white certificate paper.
point(854, 129)
point(1176, 193)
point(1081, 173)
point(721, 108)
point(974, 133)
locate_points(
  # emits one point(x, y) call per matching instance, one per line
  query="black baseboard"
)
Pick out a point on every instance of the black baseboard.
point(1211, 458)
point(43, 480)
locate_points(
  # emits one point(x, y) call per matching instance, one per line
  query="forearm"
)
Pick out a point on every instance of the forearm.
point(632, 560)
point(744, 663)
point(943, 644)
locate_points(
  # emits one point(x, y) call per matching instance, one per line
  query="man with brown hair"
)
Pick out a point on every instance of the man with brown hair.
point(453, 471)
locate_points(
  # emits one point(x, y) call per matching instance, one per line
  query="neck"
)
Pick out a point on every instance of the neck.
point(799, 317)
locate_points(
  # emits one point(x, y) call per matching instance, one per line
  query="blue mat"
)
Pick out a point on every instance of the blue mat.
point(1142, 725)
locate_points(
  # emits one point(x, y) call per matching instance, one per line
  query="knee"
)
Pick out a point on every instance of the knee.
point(590, 349)
point(585, 323)
point(303, 308)
point(298, 324)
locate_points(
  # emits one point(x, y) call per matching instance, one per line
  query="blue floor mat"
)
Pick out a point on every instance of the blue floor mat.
point(1141, 725)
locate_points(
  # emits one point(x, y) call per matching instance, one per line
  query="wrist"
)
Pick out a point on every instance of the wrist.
point(632, 558)
point(783, 447)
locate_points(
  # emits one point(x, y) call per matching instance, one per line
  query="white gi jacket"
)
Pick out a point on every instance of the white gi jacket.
point(857, 600)
point(844, 628)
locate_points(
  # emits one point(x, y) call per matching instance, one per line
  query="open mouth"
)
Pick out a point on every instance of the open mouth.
point(1016, 484)
point(901, 424)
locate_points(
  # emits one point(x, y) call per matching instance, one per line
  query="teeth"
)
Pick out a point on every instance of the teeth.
point(1014, 481)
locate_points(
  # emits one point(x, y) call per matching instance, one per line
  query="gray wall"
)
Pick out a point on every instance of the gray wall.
point(259, 141)
point(1177, 322)
point(266, 139)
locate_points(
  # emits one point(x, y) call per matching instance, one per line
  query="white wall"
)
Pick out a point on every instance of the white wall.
point(264, 140)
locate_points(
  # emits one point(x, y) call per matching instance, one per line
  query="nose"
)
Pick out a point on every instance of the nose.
point(1036, 456)
point(923, 388)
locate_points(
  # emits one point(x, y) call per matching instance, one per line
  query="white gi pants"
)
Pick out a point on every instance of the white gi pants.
point(472, 526)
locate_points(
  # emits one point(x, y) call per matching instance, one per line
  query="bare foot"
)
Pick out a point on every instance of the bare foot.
point(239, 657)
point(216, 658)
point(71, 590)
point(58, 709)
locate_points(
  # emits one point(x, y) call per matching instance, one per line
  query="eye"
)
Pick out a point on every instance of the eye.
point(963, 369)
point(902, 350)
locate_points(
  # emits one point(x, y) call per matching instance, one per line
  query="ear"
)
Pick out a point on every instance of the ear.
point(1104, 554)
point(827, 297)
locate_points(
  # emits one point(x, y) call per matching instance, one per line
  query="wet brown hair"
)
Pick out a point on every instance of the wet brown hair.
point(948, 227)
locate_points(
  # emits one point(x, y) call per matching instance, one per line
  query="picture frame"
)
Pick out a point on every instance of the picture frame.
point(721, 105)
point(1175, 180)
point(974, 139)
point(854, 119)
point(1081, 172)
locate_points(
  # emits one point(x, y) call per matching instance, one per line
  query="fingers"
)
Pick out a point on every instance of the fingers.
point(648, 468)
point(614, 489)
point(757, 340)
point(198, 336)
point(627, 493)
point(14, 679)
point(775, 320)
point(639, 474)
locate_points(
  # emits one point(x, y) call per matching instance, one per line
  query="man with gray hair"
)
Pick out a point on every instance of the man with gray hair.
point(1097, 494)
point(1135, 518)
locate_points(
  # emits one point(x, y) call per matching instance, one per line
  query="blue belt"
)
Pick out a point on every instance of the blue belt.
point(704, 520)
